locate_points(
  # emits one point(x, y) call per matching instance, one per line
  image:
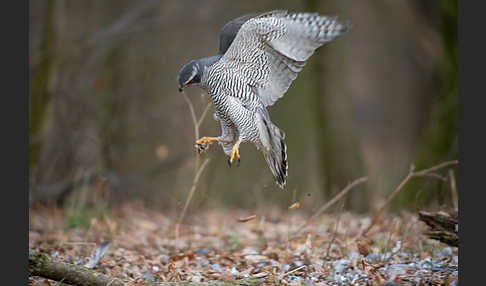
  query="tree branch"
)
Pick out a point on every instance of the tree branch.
point(410, 175)
point(42, 265)
point(197, 168)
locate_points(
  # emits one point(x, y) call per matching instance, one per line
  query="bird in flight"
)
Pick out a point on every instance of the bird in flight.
point(260, 54)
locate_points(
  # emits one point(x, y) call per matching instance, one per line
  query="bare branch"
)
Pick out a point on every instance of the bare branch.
point(335, 230)
point(203, 115)
point(437, 167)
point(198, 169)
point(294, 270)
point(193, 115)
point(411, 174)
point(434, 175)
point(42, 265)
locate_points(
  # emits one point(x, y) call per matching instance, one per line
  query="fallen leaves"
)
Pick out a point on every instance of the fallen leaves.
point(364, 245)
point(215, 248)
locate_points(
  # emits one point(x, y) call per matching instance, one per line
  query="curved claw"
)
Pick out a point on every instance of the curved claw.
point(235, 153)
point(201, 147)
point(203, 143)
point(229, 162)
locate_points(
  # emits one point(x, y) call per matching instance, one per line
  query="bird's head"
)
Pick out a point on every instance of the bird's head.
point(189, 74)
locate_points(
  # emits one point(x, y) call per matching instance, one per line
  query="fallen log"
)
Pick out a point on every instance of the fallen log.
point(42, 265)
point(443, 227)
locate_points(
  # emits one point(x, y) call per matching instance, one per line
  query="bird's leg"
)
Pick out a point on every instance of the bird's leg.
point(203, 143)
point(235, 153)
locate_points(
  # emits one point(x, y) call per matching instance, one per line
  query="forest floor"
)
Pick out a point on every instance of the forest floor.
point(232, 244)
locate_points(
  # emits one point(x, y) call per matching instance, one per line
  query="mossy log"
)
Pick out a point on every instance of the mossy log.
point(44, 266)
point(443, 227)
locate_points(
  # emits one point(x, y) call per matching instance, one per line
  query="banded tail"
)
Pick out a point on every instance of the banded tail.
point(274, 150)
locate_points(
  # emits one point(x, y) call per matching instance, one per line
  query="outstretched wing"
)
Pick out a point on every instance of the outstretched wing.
point(230, 29)
point(270, 49)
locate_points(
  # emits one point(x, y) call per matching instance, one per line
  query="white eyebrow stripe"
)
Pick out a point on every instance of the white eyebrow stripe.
point(194, 72)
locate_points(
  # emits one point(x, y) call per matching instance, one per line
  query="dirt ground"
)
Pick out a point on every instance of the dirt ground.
point(236, 244)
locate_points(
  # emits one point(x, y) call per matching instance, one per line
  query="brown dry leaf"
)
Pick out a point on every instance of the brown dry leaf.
point(364, 245)
point(294, 206)
point(245, 219)
point(190, 254)
point(273, 256)
point(176, 257)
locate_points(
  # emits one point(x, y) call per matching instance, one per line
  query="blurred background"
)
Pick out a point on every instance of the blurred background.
point(107, 123)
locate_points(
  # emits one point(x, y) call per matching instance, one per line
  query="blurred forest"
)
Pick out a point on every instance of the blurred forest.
point(108, 125)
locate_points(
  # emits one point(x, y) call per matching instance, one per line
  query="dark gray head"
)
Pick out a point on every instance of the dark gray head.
point(189, 74)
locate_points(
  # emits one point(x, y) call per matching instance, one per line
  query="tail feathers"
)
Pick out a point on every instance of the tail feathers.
point(275, 153)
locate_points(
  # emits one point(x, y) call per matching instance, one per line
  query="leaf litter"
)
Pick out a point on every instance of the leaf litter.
point(139, 245)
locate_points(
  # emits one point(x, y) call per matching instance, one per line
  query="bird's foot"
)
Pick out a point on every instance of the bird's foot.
point(203, 143)
point(237, 162)
point(235, 154)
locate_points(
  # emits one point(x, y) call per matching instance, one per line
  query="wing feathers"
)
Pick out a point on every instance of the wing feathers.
point(271, 49)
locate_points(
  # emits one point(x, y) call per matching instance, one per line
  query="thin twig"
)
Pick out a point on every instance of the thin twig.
point(335, 230)
point(434, 175)
point(203, 115)
point(189, 197)
point(388, 240)
point(436, 167)
point(411, 174)
point(197, 167)
point(294, 270)
point(332, 202)
point(193, 115)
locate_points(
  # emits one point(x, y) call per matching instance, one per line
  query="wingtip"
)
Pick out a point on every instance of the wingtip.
point(343, 26)
point(347, 25)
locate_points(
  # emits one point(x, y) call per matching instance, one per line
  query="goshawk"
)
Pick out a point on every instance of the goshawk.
point(259, 57)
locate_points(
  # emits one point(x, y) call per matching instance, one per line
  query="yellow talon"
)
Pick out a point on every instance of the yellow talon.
point(203, 143)
point(235, 152)
point(206, 140)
